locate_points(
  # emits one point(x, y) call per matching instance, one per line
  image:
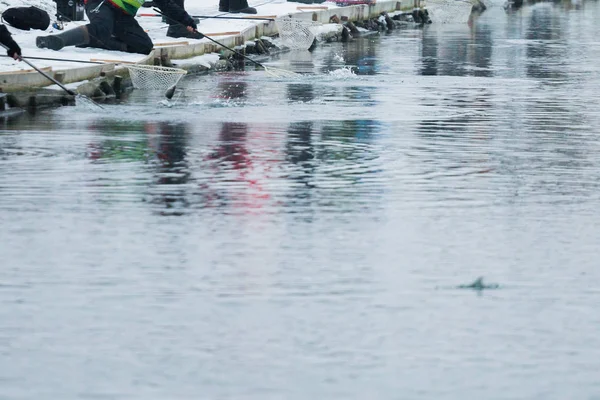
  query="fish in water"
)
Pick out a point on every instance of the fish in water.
point(170, 92)
point(479, 285)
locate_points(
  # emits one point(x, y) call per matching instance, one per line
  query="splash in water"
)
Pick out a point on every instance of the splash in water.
point(338, 58)
point(166, 103)
point(343, 73)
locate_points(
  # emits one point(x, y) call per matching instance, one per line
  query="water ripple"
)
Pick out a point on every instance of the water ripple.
point(263, 238)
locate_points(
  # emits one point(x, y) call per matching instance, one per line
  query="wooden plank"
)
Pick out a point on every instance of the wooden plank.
point(172, 44)
point(112, 61)
point(260, 16)
point(222, 34)
point(25, 71)
point(302, 8)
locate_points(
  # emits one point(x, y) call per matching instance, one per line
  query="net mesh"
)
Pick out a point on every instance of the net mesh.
point(449, 11)
point(154, 76)
point(295, 33)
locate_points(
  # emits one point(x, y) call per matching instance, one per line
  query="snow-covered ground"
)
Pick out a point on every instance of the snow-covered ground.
point(154, 26)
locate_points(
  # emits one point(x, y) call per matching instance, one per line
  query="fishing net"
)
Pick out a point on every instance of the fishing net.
point(154, 76)
point(449, 11)
point(295, 33)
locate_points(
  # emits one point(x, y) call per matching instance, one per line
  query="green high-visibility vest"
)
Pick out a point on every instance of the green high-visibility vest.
point(129, 6)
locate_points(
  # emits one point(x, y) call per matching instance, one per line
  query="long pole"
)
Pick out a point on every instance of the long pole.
point(215, 17)
point(58, 59)
point(63, 87)
point(220, 44)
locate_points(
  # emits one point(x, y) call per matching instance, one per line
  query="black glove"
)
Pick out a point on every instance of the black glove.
point(8, 41)
point(13, 49)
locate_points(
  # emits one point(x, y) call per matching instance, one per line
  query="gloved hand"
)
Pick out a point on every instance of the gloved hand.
point(198, 35)
point(13, 50)
point(189, 21)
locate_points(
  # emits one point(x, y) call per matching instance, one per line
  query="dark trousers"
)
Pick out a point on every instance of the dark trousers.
point(110, 28)
point(171, 21)
point(232, 4)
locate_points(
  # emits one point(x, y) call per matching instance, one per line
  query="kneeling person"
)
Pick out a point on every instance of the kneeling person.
point(113, 26)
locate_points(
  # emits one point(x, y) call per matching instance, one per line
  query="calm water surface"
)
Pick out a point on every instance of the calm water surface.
point(260, 238)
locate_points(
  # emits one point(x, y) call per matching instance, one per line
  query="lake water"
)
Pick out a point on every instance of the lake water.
point(262, 238)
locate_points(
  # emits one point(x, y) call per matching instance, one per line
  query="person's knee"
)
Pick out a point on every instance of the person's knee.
point(140, 48)
point(146, 47)
point(98, 32)
point(134, 36)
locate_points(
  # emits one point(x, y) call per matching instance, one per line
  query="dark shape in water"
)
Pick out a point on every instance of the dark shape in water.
point(170, 92)
point(479, 285)
point(513, 5)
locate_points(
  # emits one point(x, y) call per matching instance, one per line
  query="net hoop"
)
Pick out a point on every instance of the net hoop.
point(154, 77)
point(449, 11)
point(295, 33)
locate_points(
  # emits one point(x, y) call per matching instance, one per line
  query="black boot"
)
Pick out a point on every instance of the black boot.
point(240, 6)
point(223, 5)
point(178, 31)
point(72, 37)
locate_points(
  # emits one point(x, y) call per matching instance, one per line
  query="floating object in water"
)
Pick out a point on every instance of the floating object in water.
point(479, 285)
